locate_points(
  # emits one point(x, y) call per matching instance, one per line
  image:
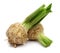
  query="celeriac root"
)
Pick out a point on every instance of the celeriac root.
point(32, 33)
point(16, 34)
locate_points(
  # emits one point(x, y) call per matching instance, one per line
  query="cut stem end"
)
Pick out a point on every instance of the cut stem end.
point(45, 41)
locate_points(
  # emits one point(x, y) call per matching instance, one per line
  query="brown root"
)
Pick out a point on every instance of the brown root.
point(16, 34)
point(32, 33)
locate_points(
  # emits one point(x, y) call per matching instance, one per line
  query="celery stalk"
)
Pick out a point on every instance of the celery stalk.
point(45, 41)
point(34, 14)
point(29, 24)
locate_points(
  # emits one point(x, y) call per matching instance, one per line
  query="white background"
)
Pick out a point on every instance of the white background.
point(12, 11)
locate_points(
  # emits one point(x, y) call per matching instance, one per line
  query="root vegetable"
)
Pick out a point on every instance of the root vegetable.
point(32, 33)
point(17, 33)
point(37, 33)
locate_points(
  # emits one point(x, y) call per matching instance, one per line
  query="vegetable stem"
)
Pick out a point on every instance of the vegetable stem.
point(39, 17)
point(36, 17)
point(45, 41)
point(48, 9)
point(34, 14)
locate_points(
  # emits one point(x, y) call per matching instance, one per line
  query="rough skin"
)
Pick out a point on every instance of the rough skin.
point(32, 33)
point(16, 34)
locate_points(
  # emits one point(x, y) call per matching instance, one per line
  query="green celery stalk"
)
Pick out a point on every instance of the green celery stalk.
point(48, 10)
point(41, 16)
point(45, 41)
point(34, 14)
